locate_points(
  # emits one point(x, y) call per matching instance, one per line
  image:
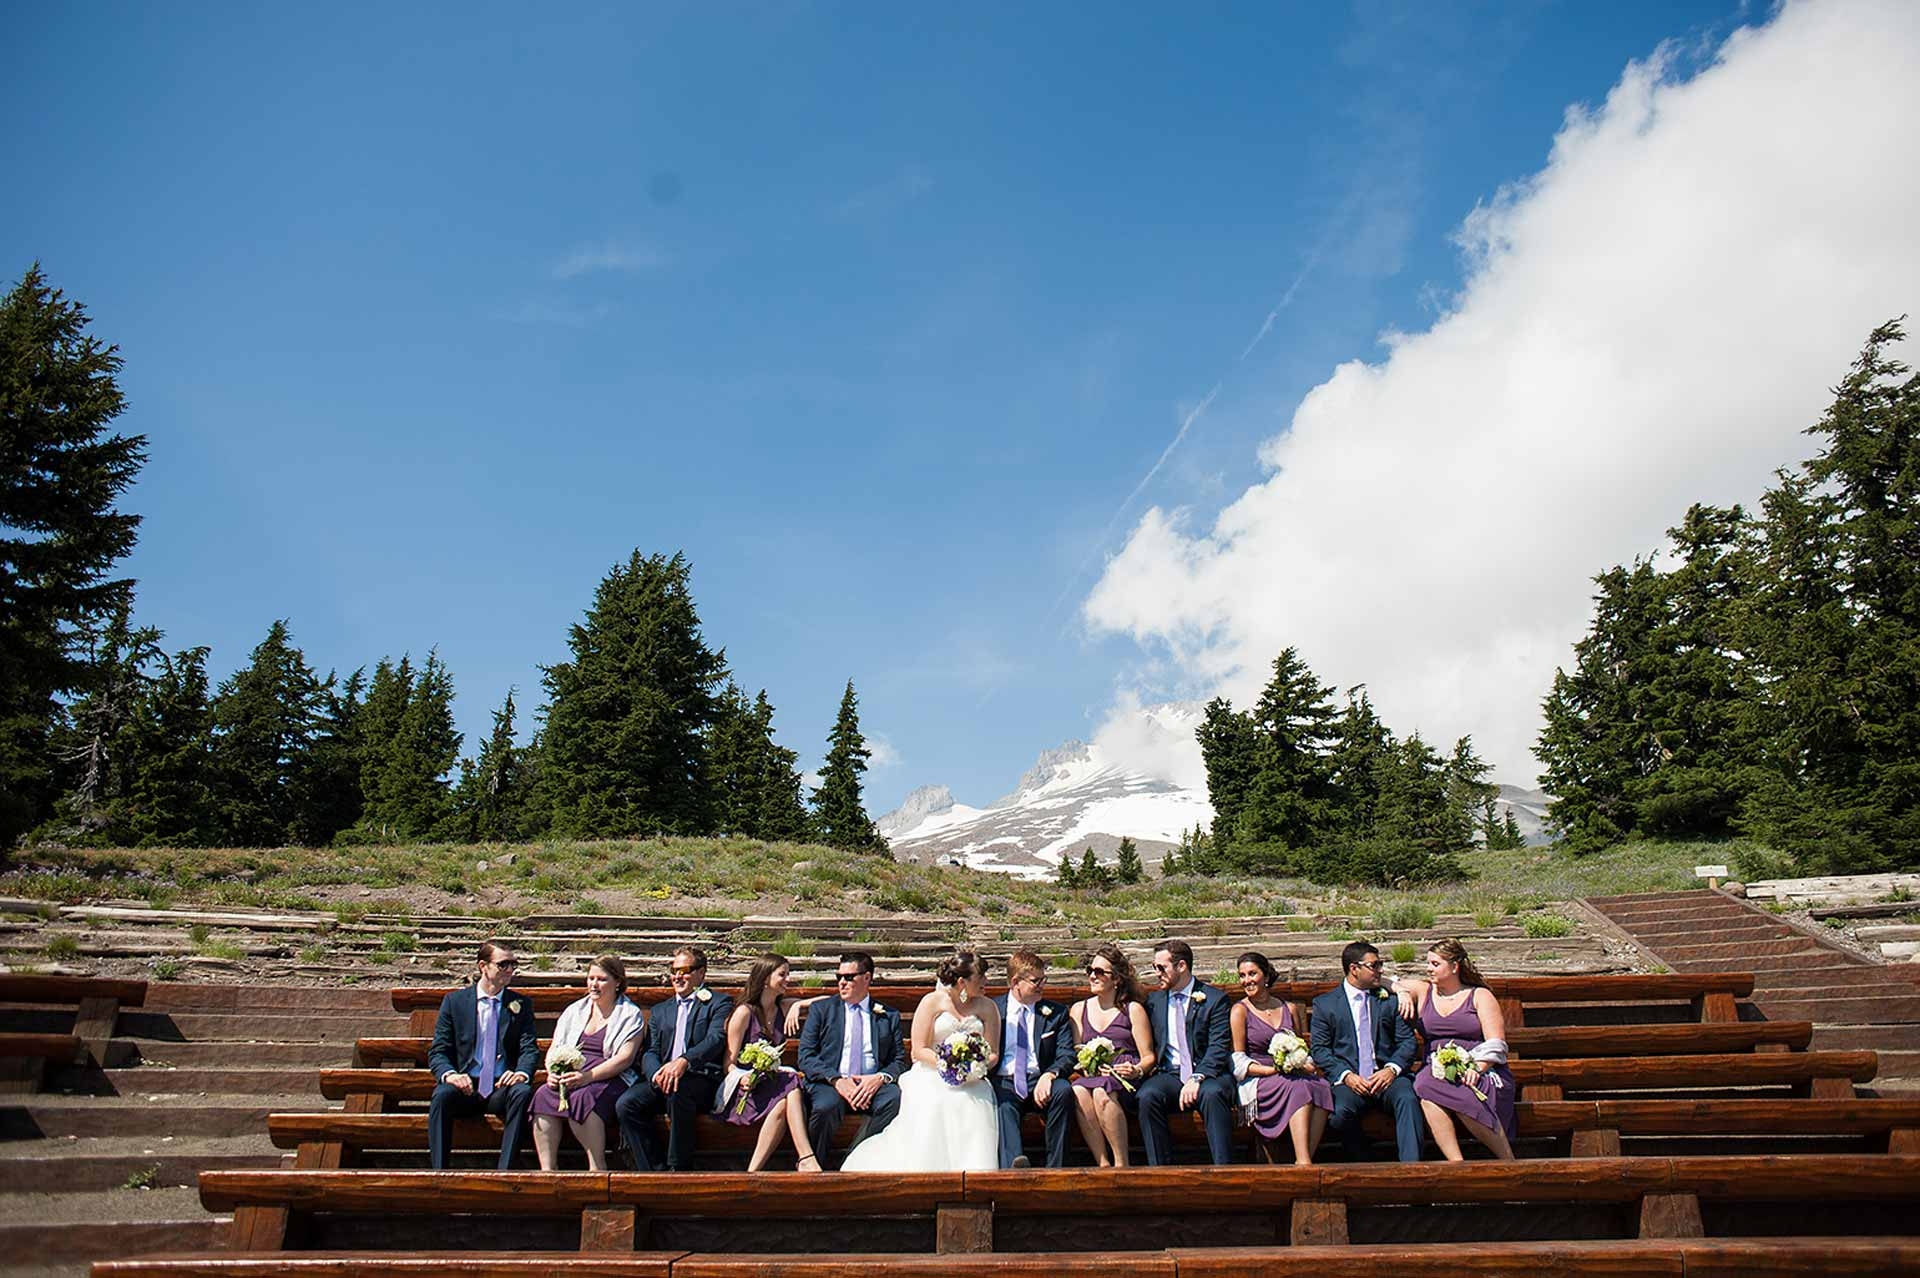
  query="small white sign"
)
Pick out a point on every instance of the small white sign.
point(1709, 871)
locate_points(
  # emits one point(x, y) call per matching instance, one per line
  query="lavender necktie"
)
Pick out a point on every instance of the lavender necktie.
point(856, 1039)
point(488, 1018)
point(682, 1013)
point(1178, 1033)
point(1020, 1053)
point(1365, 1022)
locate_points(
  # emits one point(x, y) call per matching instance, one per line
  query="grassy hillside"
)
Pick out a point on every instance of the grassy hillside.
point(730, 877)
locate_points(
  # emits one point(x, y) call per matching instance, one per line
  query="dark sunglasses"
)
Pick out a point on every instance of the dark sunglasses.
point(848, 976)
point(509, 964)
point(1098, 971)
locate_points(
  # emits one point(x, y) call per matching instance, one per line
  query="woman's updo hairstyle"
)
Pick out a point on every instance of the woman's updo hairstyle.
point(1453, 952)
point(961, 965)
point(616, 971)
point(1260, 961)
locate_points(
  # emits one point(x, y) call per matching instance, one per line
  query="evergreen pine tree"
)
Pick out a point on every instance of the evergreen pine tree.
point(1091, 873)
point(332, 800)
point(1469, 796)
point(264, 721)
point(1360, 751)
point(1840, 634)
point(490, 802)
point(415, 792)
point(1290, 803)
point(1068, 874)
point(781, 813)
point(60, 534)
point(622, 750)
point(93, 743)
point(732, 762)
point(1230, 749)
point(169, 801)
point(1127, 867)
point(377, 726)
point(839, 818)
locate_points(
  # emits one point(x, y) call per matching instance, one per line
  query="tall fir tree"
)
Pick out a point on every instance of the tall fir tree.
point(93, 744)
point(1128, 869)
point(416, 786)
point(839, 817)
point(781, 815)
point(1230, 751)
point(1289, 805)
point(489, 805)
point(170, 800)
point(1468, 794)
point(264, 719)
point(377, 727)
point(61, 473)
point(331, 800)
point(622, 750)
point(1836, 621)
point(1355, 763)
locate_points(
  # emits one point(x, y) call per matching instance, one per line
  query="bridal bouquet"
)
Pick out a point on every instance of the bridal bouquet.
point(1095, 1055)
point(1452, 1061)
point(760, 1059)
point(1289, 1052)
point(963, 1057)
point(563, 1058)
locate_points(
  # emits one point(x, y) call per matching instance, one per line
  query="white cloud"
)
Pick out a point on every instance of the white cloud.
point(1650, 320)
point(885, 755)
point(609, 255)
point(904, 187)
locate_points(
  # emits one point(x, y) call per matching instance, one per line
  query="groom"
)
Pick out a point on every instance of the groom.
point(852, 1054)
point(1193, 1029)
point(1036, 1056)
point(1366, 1050)
point(483, 1056)
point(681, 1066)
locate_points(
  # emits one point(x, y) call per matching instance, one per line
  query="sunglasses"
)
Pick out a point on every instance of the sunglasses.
point(848, 976)
point(1371, 967)
point(682, 971)
point(508, 964)
point(1099, 971)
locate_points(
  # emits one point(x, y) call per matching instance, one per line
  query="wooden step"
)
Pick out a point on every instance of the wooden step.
point(1842, 1009)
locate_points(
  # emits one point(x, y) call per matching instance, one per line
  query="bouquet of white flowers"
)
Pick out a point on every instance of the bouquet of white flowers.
point(760, 1059)
point(1289, 1052)
point(1451, 1062)
point(563, 1058)
point(1094, 1057)
point(963, 1057)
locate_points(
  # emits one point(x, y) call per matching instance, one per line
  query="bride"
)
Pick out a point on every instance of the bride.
point(942, 1127)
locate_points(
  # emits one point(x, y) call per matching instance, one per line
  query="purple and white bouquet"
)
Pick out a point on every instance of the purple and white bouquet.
point(760, 1059)
point(1289, 1052)
point(563, 1058)
point(1451, 1062)
point(1095, 1058)
point(963, 1057)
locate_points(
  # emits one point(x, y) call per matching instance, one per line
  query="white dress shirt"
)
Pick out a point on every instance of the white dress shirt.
point(1016, 1011)
point(1179, 1007)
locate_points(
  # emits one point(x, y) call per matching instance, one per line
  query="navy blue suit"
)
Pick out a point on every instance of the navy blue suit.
point(1050, 1052)
point(706, 1053)
point(1209, 1047)
point(1335, 1045)
point(456, 1050)
point(822, 1039)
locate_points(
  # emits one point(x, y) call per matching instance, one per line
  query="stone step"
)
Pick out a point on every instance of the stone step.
point(184, 1055)
point(58, 1117)
point(66, 1172)
point(1846, 978)
point(1764, 967)
point(146, 1081)
point(44, 1248)
point(171, 996)
point(1717, 909)
point(1839, 1009)
point(1885, 1039)
point(1739, 950)
point(1630, 899)
point(288, 1025)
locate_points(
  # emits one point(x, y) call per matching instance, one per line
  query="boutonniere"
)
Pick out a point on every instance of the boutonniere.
point(704, 994)
point(1382, 995)
point(513, 1008)
point(1199, 996)
point(1045, 1010)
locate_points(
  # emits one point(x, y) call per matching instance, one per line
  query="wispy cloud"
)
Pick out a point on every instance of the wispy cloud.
point(609, 255)
point(904, 187)
point(885, 754)
point(556, 314)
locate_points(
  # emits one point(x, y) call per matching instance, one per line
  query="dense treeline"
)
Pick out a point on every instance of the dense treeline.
point(1765, 678)
point(108, 738)
point(1302, 786)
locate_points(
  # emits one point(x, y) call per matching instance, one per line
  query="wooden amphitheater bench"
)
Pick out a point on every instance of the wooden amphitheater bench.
point(1875, 1257)
point(1300, 1206)
point(96, 1004)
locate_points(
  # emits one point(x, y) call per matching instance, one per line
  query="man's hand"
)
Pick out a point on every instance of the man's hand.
point(1189, 1093)
point(1043, 1089)
point(1381, 1077)
point(1360, 1086)
point(869, 1087)
point(460, 1083)
point(848, 1086)
point(667, 1078)
point(512, 1077)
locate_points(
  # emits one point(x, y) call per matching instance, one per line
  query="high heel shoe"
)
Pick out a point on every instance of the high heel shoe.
point(801, 1164)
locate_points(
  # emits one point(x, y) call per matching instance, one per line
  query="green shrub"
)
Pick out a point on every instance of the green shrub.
point(165, 969)
point(63, 947)
point(382, 957)
point(792, 945)
point(314, 954)
point(198, 934)
point(398, 942)
point(1302, 925)
point(1544, 925)
point(1403, 916)
point(1402, 952)
point(222, 950)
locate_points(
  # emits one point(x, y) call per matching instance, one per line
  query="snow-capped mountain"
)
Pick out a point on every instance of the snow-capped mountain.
point(1078, 795)
point(1140, 777)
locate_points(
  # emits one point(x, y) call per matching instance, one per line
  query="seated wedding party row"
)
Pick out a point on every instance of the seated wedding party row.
point(967, 1082)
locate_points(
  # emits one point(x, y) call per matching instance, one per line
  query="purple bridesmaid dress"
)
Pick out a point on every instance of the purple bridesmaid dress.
point(771, 1090)
point(1462, 1026)
point(1125, 1049)
point(1279, 1095)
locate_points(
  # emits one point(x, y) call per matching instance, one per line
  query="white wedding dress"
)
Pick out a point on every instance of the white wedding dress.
point(939, 1127)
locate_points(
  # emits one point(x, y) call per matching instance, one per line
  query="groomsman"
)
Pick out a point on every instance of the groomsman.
point(852, 1054)
point(1192, 1030)
point(483, 1056)
point(1365, 1049)
point(680, 1067)
point(1036, 1056)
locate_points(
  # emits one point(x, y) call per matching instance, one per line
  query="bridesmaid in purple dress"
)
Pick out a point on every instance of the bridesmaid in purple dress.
point(605, 1026)
point(1115, 1010)
point(777, 1102)
point(1454, 1005)
point(1298, 1103)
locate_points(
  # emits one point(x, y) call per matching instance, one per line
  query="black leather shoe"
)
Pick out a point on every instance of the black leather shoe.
point(1022, 1162)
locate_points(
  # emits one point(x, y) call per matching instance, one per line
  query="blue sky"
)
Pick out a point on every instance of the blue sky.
point(878, 313)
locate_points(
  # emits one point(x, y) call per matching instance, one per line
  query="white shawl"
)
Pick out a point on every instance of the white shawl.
point(623, 1024)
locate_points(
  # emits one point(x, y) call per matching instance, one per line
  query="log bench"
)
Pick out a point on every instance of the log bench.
point(1873, 1257)
point(974, 1212)
point(96, 1004)
point(1713, 995)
